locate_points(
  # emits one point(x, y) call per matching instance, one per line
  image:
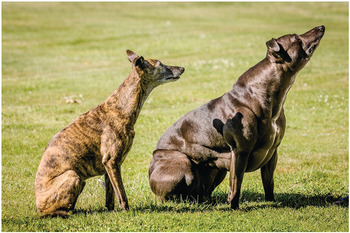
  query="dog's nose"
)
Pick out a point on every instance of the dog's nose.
point(182, 69)
point(322, 28)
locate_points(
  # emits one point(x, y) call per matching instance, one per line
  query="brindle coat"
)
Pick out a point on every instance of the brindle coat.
point(98, 141)
point(237, 132)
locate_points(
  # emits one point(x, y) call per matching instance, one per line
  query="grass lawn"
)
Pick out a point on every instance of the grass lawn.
point(54, 51)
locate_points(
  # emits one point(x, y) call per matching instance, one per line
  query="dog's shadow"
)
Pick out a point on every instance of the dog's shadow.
point(249, 201)
point(283, 200)
point(293, 200)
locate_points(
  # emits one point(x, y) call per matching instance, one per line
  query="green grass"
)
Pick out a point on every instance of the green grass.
point(55, 50)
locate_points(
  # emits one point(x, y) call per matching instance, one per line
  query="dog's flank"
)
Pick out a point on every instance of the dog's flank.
point(97, 142)
point(237, 132)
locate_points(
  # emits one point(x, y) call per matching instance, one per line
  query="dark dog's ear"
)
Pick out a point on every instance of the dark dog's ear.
point(131, 55)
point(273, 45)
point(218, 125)
point(276, 52)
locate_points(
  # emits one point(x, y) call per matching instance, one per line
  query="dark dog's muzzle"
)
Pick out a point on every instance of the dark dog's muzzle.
point(311, 39)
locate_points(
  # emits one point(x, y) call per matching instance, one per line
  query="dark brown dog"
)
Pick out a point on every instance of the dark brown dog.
point(237, 132)
point(98, 141)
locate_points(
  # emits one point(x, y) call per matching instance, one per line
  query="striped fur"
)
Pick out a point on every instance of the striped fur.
point(97, 142)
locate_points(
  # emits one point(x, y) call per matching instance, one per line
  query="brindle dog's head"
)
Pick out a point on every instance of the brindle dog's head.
point(153, 72)
point(294, 51)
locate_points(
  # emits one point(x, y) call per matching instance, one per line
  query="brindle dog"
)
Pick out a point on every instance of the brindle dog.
point(237, 132)
point(97, 142)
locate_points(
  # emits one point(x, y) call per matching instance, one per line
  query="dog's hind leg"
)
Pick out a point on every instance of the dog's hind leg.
point(210, 178)
point(173, 175)
point(57, 196)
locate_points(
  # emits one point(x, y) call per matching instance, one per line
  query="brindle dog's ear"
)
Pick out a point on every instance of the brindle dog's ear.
point(131, 55)
point(135, 59)
point(140, 62)
point(277, 52)
point(144, 65)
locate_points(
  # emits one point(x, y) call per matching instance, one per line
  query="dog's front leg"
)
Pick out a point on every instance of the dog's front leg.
point(237, 169)
point(112, 151)
point(113, 171)
point(267, 177)
point(109, 193)
point(233, 181)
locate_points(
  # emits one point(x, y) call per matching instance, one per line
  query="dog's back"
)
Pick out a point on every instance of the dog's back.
point(196, 128)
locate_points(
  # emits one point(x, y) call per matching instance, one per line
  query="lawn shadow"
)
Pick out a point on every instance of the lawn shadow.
point(289, 200)
point(283, 200)
point(296, 200)
point(92, 210)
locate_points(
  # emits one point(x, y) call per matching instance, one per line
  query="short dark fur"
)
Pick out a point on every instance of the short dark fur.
point(237, 132)
point(97, 142)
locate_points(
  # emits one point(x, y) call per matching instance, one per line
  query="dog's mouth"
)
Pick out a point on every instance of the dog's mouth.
point(312, 48)
point(173, 78)
point(176, 72)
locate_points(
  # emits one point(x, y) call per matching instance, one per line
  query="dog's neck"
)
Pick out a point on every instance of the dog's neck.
point(272, 83)
point(128, 99)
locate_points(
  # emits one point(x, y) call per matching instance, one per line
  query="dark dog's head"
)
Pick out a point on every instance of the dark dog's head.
point(294, 50)
point(153, 72)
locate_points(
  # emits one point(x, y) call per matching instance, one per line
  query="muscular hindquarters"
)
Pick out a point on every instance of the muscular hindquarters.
point(172, 174)
point(57, 184)
point(58, 195)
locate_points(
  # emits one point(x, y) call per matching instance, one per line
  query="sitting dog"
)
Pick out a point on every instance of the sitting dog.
point(98, 141)
point(237, 132)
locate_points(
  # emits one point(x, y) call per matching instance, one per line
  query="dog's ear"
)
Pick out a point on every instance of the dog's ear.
point(136, 60)
point(273, 45)
point(218, 125)
point(140, 62)
point(131, 55)
point(276, 52)
point(273, 50)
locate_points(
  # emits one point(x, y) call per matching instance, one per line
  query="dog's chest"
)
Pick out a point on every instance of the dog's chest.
point(267, 143)
point(127, 140)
